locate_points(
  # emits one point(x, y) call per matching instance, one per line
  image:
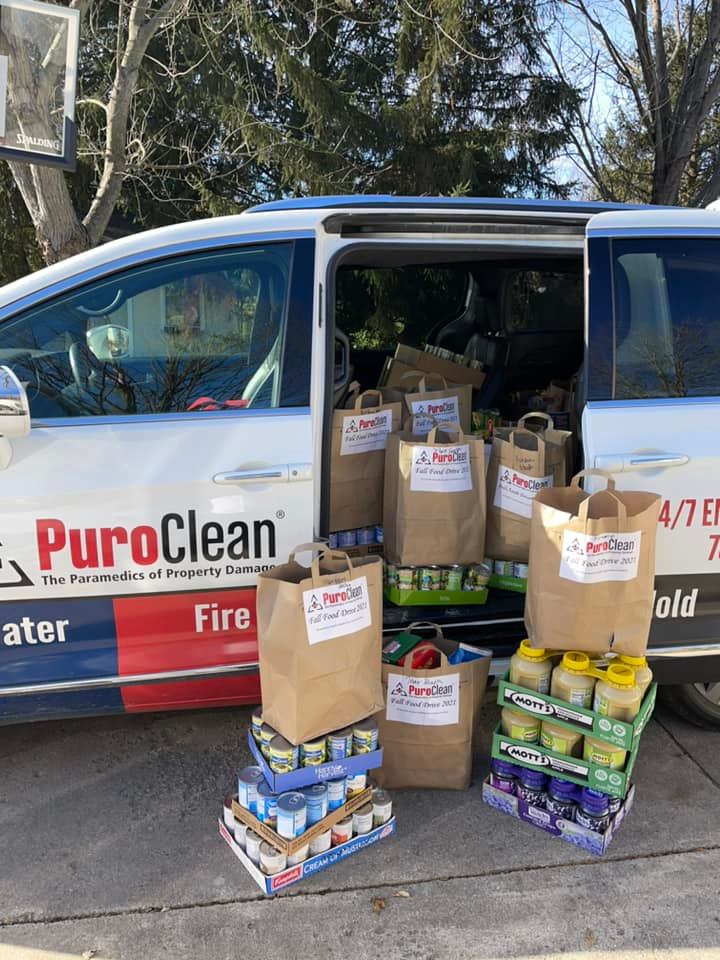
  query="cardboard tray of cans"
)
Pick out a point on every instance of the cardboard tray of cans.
point(292, 846)
point(535, 757)
point(568, 830)
point(564, 714)
point(435, 598)
point(321, 861)
point(306, 776)
point(502, 582)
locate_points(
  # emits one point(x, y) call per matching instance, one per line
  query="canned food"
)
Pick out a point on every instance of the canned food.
point(248, 781)
point(391, 575)
point(266, 805)
point(333, 541)
point(313, 752)
point(429, 578)
point(266, 735)
point(379, 533)
point(520, 570)
point(347, 538)
point(316, 800)
point(300, 854)
point(252, 846)
point(503, 568)
point(342, 831)
point(283, 757)
point(321, 843)
point(271, 860)
point(228, 817)
point(257, 723)
point(454, 577)
point(336, 793)
point(340, 744)
point(291, 815)
point(355, 784)
point(362, 820)
point(240, 831)
point(486, 567)
point(365, 535)
point(381, 807)
point(365, 736)
point(406, 578)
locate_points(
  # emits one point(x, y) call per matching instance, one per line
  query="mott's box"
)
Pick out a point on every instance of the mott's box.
point(535, 757)
point(617, 732)
point(563, 829)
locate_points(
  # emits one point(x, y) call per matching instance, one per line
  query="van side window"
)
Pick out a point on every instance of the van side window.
point(177, 335)
point(667, 317)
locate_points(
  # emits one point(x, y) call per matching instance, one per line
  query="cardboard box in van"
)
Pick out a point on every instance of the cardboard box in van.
point(408, 358)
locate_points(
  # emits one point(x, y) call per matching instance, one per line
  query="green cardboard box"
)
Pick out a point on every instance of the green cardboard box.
point(531, 755)
point(617, 732)
point(516, 584)
point(435, 598)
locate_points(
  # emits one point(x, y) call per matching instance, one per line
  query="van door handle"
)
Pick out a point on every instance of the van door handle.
point(626, 462)
point(278, 473)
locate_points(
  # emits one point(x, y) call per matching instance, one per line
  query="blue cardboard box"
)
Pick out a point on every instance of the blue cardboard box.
point(305, 776)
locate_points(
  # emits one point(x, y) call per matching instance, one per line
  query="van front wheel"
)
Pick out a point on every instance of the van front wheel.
point(697, 702)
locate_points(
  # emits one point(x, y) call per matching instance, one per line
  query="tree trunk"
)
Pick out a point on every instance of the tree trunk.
point(58, 230)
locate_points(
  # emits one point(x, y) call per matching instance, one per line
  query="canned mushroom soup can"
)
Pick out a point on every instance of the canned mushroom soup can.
point(252, 846)
point(313, 752)
point(248, 781)
point(271, 860)
point(299, 856)
point(340, 744)
point(381, 807)
point(240, 832)
point(257, 723)
point(291, 815)
point(321, 843)
point(362, 820)
point(342, 831)
point(283, 756)
point(228, 817)
point(365, 736)
point(336, 793)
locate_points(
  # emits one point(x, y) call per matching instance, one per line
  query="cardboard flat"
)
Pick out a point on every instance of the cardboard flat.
point(435, 598)
point(535, 757)
point(516, 584)
point(291, 846)
point(321, 861)
point(617, 732)
point(306, 776)
point(567, 830)
point(408, 358)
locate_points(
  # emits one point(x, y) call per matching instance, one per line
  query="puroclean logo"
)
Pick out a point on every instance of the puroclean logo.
point(399, 690)
point(314, 605)
point(352, 426)
point(12, 574)
point(533, 704)
point(424, 458)
point(574, 546)
point(527, 755)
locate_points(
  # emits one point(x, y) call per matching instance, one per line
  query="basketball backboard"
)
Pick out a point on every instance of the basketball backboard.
point(38, 75)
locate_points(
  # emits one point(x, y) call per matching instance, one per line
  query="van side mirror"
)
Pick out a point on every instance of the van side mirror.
point(14, 406)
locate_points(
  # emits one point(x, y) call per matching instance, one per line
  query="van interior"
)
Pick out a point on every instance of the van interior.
point(520, 316)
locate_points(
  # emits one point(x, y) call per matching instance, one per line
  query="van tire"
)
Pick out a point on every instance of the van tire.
point(689, 701)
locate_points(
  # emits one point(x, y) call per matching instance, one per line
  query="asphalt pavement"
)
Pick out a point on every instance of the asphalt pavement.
point(109, 848)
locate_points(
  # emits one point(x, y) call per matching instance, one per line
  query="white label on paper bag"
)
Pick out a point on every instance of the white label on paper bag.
point(515, 491)
point(363, 432)
point(424, 701)
point(610, 556)
point(441, 469)
point(431, 413)
point(336, 609)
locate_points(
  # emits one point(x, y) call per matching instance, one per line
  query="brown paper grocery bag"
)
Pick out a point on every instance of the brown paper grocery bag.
point(427, 726)
point(428, 405)
point(592, 568)
point(521, 464)
point(434, 502)
point(357, 459)
point(551, 435)
point(320, 642)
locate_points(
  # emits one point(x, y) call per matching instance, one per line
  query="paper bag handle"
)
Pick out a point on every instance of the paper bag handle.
point(536, 437)
point(360, 398)
point(537, 415)
point(320, 548)
point(585, 506)
point(447, 426)
point(427, 623)
point(353, 389)
point(594, 472)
